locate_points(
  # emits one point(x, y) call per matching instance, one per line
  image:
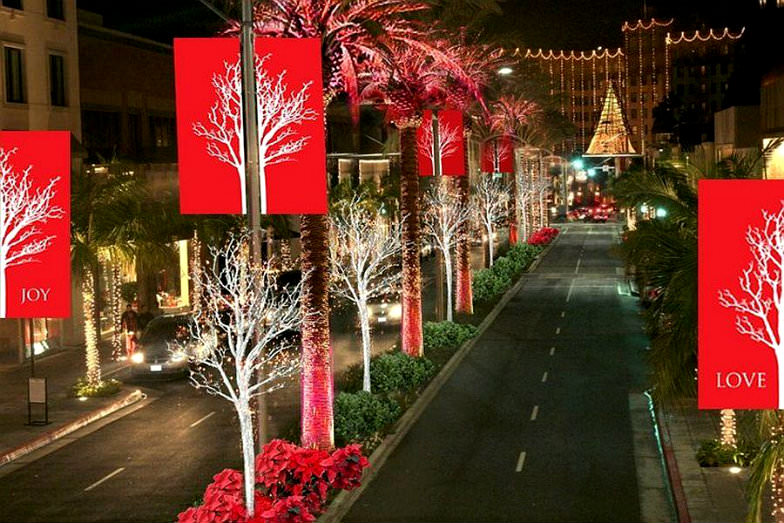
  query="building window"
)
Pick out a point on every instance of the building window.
point(162, 131)
point(54, 9)
point(57, 79)
point(13, 4)
point(14, 75)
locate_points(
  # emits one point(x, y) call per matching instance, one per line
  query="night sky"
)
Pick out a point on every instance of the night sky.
point(557, 24)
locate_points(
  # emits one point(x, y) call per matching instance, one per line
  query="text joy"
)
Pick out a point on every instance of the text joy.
point(35, 294)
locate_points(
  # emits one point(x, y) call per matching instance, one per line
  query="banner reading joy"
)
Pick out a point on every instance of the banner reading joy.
point(35, 241)
point(741, 298)
point(292, 161)
point(450, 140)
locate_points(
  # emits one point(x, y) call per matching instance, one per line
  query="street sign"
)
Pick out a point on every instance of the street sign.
point(37, 394)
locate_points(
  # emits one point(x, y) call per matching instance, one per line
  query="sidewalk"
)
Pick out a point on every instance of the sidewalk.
point(712, 493)
point(61, 369)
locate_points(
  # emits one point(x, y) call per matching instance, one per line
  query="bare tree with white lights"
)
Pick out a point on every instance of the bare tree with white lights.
point(490, 199)
point(449, 138)
point(443, 217)
point(23, 208)
point(363, 250)
point(525, 194)
point(240, 345)
point(279, 111)
point(761, 306)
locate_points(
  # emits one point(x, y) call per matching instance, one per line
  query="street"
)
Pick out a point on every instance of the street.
point(156, 461)
point(534, 424)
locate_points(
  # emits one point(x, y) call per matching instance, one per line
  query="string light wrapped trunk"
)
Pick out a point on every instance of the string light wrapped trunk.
point(92, 355)
point(411, 291)
point(728, 429)
point(464, 303)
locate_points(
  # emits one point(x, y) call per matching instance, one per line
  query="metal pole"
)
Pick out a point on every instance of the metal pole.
point(564, 177)
point(252, 182)
point(440, 301)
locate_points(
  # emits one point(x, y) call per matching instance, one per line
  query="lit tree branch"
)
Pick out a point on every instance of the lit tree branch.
point(489, 201)
point(363, 251)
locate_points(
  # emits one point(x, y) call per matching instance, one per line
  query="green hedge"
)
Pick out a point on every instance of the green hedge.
point(391, 372)
point(360, 416)
point(446, 334)
point(491, 283)
point(713, 454)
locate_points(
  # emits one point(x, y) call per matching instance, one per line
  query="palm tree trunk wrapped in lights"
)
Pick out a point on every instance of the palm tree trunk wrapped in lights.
point(92, 354)
point(464, 302)
point(728, 429)
point(411, 324)
point(513, 240)
point(317, 387)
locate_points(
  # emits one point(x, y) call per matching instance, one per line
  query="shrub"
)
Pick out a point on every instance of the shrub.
point(488, 284)
point(292, 485)
point(713, 454)
point(105, 388)
point(399, 372)
point(360, 416)
point(524, 254)
point(447, 334)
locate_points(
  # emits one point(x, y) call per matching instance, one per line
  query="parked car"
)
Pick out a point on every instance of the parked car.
point(385, 310)
point(163, 348)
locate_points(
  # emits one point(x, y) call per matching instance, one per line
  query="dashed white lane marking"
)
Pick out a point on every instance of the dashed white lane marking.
point(104, 479)
point(569, 294)
point(558, 331)
point(563, 314)
point(577, 269)
point(552, 351)
point(520, 462)
point(544, 377)
point(535, 413)
point(202, 419)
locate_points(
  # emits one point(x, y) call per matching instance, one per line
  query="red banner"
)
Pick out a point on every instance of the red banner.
point(292, 159)
point(35, 234)
point(451, 143)
point(741, 252)
point(497, 155)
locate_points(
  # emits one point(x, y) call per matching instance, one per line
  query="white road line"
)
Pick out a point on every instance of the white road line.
point(202, 419)
point(558, 331)
point(569, 294)
point(563, 314)
point(552, 351)
point(577, 269)
point(104, 479)
point(535, 413)
point(544, 377)
point(520, 462)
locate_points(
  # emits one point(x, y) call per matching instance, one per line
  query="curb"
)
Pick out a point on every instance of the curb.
point(346, 499)
point(70, 427)
point(673, 473)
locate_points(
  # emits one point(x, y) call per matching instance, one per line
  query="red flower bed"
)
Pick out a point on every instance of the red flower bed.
point(292, 485)
point(543, 236)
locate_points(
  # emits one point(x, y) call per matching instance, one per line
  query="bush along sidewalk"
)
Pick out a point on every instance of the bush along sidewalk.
point(396, 381)
point(491, 283)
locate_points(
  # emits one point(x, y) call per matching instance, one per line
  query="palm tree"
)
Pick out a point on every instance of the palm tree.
point(101, 201)
point(353, 36)
point(417, 76)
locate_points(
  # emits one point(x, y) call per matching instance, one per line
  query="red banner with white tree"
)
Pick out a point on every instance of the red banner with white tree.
point(497, 155)
point(35, 261)
point(290, 115)
point(451, 143)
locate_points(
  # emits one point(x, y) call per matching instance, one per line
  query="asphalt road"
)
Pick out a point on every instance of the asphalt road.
point(534, 424)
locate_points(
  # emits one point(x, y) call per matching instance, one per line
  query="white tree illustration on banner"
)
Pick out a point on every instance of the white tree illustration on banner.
point(242, 344)
point(761, 305)
point(280, 110)
point(448, 140)
point(443, 218)
point(363, 250)
point(22, 209)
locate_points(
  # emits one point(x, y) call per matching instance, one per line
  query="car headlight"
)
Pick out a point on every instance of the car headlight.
point(137, 357)
point(396, 311)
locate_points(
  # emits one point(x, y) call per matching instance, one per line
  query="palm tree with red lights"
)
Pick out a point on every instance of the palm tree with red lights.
point(354, 37)
point(418, 76)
